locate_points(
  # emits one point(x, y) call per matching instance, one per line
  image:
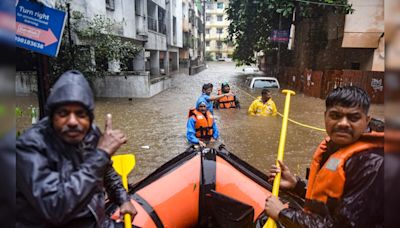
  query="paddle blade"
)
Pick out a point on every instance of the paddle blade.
point(270, 223)
point(124, 163)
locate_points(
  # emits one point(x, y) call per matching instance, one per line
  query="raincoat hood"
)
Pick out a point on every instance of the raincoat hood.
point(224, 84)
point(71, 87)
point(200, 101)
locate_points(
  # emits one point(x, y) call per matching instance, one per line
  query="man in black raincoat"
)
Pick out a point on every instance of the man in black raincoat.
point(63, 163)
point(345, 186)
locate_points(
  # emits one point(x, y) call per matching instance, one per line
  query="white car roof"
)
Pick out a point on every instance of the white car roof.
point(267, 78)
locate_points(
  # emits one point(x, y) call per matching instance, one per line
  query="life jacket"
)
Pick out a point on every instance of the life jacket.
point(226, 101)
point(204, 129)
point(326, 184)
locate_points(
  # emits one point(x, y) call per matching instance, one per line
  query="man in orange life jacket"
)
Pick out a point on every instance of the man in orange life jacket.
point(201, 127)
point(206, 96)
point(226, 102)
point(345, 186)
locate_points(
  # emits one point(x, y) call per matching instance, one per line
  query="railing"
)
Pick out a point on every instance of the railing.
point(162, 28)
point(152, 24)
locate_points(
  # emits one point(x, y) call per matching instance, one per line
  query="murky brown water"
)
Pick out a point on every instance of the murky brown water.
point(160, 122)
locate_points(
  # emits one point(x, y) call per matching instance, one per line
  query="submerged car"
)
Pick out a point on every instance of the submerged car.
point(262, 83)
point(250, 70)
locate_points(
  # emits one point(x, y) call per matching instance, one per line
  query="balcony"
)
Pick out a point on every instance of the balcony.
point(187, 40)
point(214, 36)
point(152, 24)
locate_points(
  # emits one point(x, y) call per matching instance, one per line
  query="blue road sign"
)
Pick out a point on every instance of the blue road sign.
point(38, 28)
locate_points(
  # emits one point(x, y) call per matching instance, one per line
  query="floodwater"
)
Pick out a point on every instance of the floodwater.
point(156, 127)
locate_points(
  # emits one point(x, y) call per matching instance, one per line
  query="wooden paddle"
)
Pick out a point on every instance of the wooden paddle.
point(275, 188)
point(123, 165)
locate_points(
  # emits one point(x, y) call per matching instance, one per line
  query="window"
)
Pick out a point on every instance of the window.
point(355, 66)
point(220, 5)
point(265, 83)
point(174, 28)
point(138, 7)
point(209, 5)
point(162, 27)
point(219, 18)
point(219, 44)
point(207, 31)
point(219, 31)
point(110, 4)
point(207, 43)
point(208, 18)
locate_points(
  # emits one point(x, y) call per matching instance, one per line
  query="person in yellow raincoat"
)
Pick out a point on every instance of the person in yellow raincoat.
point(263, 105)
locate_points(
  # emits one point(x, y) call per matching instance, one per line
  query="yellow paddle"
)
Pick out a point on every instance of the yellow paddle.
point(123, 165)
point(275, 188)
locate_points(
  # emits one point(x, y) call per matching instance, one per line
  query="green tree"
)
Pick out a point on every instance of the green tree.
point(99, 43)
point(252, 22)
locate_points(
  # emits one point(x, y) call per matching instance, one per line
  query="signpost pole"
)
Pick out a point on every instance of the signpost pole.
point(42, 73)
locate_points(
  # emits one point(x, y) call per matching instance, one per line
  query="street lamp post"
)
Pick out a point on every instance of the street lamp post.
point(204, 32)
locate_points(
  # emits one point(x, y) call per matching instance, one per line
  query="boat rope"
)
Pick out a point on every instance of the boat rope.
point(293, 121)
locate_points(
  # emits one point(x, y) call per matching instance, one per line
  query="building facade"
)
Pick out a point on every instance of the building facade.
point(217, 31)
point(364, 29)
point(192, 53)
point(332, 41)
point(153, 25)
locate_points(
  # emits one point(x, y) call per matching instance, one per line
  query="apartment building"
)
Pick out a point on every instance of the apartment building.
point(217, 30)
point(193, 33)
point(152, 24)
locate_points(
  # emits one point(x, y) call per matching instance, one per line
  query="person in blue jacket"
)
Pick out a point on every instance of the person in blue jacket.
point(201, 127)
point(206, 96)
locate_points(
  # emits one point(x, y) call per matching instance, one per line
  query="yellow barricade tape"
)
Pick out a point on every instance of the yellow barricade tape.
point(293, 121)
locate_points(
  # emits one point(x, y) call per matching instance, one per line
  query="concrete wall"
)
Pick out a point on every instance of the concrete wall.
point(156, 88)
point(378, 60)
point(89, 8)
point(156, 41)
point(129, 86)
point(364, 27)
point(139, 86)
point(124, 13)
point(174, 9)
point(179, 24)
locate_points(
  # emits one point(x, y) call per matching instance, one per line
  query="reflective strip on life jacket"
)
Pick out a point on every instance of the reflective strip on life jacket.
point(328, 182)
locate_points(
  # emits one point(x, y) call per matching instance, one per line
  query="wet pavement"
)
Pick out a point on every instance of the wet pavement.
point(156, 127)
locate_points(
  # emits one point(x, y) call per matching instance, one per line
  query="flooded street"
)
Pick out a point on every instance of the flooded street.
point(156, 127)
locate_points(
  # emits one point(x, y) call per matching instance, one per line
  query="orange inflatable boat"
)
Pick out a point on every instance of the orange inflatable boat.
point(203, 188)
